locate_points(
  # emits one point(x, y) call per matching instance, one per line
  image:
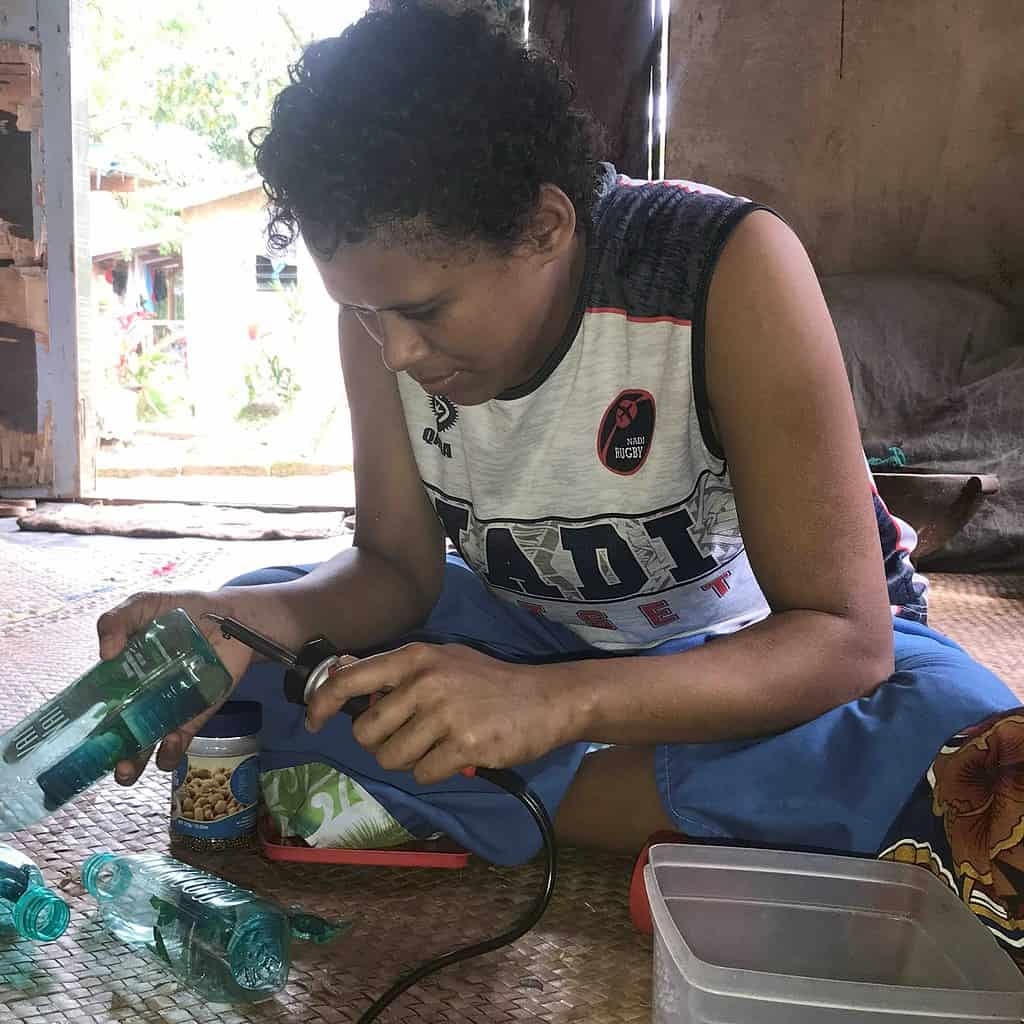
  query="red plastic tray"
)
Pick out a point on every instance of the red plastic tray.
point(440, 853)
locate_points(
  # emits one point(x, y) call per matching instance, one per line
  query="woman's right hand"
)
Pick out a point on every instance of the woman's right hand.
point(115, 626)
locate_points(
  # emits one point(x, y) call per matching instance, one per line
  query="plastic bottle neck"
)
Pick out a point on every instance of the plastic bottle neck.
point(40, 914)
point(104, 875)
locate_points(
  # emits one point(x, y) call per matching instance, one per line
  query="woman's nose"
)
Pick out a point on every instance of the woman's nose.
point(402, 345)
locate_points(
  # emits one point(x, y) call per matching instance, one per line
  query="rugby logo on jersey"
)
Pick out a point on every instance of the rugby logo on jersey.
point(626, 432)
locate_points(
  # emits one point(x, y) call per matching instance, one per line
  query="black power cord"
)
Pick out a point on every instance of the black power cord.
point(514, 785)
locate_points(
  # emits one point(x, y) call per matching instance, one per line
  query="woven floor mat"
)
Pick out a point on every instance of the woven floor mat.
point(177, 520)
point(47, 576)
point(40, 585)
point(583, 963)
point(986, 615)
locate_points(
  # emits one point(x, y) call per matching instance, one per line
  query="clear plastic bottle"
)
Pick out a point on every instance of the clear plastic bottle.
point(223, 941)
point(166, 675)
point(27, 906)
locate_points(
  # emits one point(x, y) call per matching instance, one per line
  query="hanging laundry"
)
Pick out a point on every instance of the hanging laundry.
point(119, 279)
point(146, 298)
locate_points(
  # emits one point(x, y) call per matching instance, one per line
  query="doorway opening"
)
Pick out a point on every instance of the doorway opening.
point(214, 363)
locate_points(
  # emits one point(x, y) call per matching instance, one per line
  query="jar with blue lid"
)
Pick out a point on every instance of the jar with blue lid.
point(215, 791)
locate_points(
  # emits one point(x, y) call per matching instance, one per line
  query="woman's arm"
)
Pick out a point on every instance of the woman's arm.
point(783, 411)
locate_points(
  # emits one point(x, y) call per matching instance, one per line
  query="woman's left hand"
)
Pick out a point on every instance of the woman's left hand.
point(447, 707)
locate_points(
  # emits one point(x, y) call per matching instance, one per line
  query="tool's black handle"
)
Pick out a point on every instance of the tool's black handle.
point(313, 653)
point(356, 706)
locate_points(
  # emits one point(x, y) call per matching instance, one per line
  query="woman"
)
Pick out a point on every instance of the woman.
point(625, 406)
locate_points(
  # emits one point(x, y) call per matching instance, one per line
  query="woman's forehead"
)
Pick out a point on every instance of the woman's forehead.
point(377, 276)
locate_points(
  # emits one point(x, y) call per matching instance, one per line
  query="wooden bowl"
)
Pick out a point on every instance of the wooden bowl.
point(937, 505)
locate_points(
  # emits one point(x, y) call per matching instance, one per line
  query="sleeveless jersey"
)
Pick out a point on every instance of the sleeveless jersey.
point(596, 494)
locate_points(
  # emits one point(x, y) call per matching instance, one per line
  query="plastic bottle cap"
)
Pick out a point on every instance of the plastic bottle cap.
point(41, 915)
point(235, 718)
point(258, 954)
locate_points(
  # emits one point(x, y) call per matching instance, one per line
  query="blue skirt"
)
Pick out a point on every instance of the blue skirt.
point(838, 783)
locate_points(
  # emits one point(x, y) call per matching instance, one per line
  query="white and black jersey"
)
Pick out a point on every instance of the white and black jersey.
point(597, 494)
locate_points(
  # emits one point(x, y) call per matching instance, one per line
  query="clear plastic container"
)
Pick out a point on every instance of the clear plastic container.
point(165, 676)
point(764, 937)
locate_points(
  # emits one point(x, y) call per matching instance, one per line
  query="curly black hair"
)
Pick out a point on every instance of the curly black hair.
point(417, 123)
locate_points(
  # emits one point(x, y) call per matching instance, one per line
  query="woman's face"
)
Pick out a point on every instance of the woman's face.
point(467, 325)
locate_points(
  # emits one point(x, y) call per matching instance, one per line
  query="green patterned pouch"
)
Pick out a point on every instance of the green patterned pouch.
point(328, 810)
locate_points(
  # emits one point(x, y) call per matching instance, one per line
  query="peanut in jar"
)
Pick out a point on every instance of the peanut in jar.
point(215, 788)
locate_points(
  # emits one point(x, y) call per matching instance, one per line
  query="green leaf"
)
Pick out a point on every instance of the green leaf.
point(166, 912)
point(368, 835)
point(161, 949)
point(315, 929)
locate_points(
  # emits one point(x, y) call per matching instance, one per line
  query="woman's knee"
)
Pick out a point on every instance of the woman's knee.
point(932, 660)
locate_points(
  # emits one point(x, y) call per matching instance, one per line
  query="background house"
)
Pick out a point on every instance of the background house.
point(248, 307)
point(202, 335)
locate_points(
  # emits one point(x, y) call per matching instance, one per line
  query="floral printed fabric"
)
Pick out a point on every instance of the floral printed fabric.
point(328, 810)
point(965, 824)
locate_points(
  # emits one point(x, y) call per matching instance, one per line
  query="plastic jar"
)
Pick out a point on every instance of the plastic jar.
point(215, 789)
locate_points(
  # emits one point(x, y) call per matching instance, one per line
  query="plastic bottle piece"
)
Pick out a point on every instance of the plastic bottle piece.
point(315, 929)
point(27, 906)
point(221, 940)
point(166, 675)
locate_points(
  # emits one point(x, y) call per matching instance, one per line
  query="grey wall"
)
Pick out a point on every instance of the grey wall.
point(889, 132)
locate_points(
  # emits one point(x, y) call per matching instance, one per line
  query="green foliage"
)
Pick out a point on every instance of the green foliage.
point(152, 214)
point(270, 386)
point(270, 383)
point(175, 89)
point(150, 373)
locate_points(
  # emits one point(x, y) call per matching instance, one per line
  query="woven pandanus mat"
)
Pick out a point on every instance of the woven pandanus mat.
point(53, 581)
point(986, 615)
point(583, 963)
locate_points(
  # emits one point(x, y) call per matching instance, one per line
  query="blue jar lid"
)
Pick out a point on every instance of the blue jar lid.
point(235, 718)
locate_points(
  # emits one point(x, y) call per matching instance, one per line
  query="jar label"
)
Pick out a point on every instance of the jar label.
point(215, 797)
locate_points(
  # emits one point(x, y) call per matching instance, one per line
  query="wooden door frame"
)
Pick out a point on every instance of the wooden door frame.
point(60, 216)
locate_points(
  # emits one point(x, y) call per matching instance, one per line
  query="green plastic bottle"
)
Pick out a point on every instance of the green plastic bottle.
point(221, 940)
point(27, 906)
point(166, 675)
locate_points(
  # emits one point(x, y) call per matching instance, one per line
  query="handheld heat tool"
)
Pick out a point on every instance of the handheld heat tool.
point(307, 670)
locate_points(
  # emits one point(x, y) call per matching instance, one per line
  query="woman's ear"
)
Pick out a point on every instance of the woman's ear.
point(552, 228)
